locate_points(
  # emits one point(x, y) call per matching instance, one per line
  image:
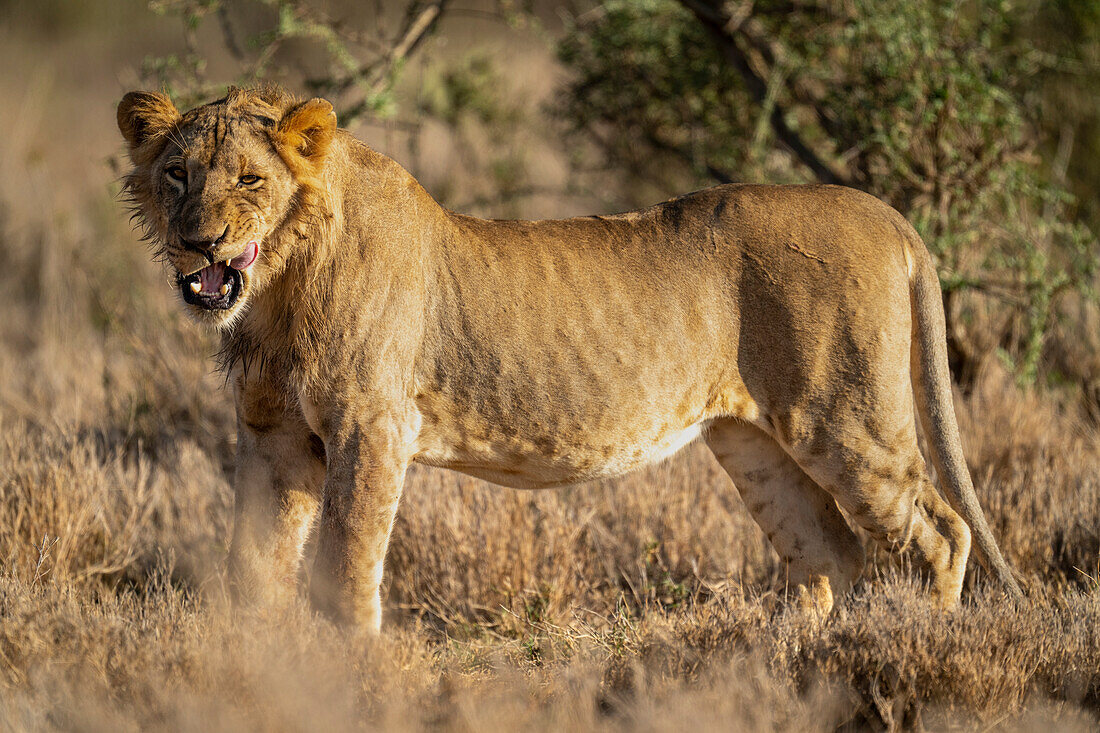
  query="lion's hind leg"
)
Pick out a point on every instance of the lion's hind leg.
point(802, 522)
point(885, 488)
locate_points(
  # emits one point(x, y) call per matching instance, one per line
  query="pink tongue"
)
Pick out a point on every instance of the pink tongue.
point(212, 277)
point(246, 258)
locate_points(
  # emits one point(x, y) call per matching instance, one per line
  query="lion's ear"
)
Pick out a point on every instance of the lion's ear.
point(308, 129)
point(143, 116)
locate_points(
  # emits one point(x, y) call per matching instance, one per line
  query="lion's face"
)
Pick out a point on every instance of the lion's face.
point(215, 186)
point(221, 196)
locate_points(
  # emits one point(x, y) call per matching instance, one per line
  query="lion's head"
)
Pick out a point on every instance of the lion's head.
point(226, 190)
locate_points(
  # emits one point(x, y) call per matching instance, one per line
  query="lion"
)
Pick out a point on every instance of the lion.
point(798, 330)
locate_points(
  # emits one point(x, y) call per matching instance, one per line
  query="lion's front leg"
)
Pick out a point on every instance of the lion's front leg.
point(280, 469)
point(366, 471)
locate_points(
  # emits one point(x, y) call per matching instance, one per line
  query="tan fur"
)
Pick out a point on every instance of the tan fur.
point(787, 325)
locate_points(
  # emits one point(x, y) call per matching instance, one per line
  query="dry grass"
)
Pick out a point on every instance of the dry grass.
point(639, 603)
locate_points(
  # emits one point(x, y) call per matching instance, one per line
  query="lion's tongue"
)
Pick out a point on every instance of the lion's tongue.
point(246, 258)
point(211, 278)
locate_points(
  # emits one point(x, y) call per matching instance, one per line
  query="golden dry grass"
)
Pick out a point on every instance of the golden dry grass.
point(640, 603)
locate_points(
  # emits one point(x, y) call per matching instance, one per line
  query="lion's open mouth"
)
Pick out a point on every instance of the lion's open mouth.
point(218, 286)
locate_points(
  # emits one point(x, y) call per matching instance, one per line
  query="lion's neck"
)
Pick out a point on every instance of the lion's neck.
point(368, 259)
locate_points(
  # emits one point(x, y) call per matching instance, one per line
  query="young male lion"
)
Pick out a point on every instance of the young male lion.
point(364, 327)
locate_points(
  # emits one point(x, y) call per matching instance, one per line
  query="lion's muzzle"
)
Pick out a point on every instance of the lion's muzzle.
point(218, 286)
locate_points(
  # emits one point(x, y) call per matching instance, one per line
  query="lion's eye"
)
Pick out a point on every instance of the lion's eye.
point(177, 173)
point(249, 179)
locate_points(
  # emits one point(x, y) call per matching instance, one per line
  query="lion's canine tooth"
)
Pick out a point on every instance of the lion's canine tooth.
point(195, 286)
point(225, 288)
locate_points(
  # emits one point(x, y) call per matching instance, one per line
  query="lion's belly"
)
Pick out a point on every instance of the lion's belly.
point(527, 465)
point(541, 427)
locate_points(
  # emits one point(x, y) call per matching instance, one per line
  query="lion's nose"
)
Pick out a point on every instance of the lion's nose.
point(202, 245)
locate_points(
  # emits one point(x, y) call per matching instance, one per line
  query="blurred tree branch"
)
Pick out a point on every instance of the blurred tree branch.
point(725, 29)
point(360, 68)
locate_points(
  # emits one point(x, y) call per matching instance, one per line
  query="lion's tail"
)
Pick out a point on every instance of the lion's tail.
point(932, 387)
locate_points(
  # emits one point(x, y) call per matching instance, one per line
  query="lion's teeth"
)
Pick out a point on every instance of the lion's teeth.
point(195, 286)
point(225, 288)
